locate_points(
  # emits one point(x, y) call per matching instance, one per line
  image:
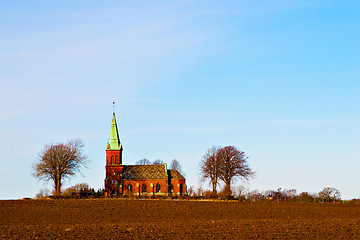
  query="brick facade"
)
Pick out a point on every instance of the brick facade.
point(138, 180)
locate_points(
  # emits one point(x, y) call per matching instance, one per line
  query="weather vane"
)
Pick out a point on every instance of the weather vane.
point(113, 106)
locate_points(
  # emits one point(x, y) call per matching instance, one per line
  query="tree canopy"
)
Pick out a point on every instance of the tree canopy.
point(60, 161)
point(143, 161)
point(227, 164)
point(329, 194)
point(158, 162)
point(209, 167)
point(175, 164)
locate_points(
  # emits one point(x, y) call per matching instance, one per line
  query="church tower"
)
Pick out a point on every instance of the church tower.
point(114, 167)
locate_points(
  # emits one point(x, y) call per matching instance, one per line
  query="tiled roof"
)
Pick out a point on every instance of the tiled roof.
point(144, 172)
point(174, 174)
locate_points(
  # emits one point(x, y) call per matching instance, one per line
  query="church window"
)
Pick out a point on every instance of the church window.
point(181, 188)
point(130, 187)
point(112, 159)
point(143, 188)
point(158, 187)
point(116, 160)
point(171, 188)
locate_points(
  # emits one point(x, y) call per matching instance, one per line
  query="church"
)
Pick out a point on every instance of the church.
point(138, 180)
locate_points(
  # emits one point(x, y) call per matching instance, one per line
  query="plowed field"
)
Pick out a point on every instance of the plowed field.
point(169, 219)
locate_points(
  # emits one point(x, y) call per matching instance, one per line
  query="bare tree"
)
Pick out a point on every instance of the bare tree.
point(290, 195)
point(232, 165)
point(255, 195)
point(199, 192)
point(209, 167)
point(176, 166)
point(191, 191)
point(43, 193)
point(143, 161)
point(158, 162)
point(329, 194)
point(240, 192)
point(60, 161)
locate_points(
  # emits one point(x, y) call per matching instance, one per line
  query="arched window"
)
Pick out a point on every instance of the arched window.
point(143, 188)
point(181, 188)
point(116, 160)
point(130, 188)
point(171, 188)
point(112, 160)
point(158, 188)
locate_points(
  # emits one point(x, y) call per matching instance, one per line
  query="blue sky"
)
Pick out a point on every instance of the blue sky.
point(277, 79)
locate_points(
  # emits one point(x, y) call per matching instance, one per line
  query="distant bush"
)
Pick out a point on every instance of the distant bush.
point(81, 190)
point(306, 197)
point(43, 193)
point(255, 196)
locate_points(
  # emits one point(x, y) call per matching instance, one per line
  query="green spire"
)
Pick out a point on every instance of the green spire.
point(114, 140)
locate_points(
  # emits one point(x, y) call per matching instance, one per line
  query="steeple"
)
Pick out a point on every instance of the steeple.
point(114, 140)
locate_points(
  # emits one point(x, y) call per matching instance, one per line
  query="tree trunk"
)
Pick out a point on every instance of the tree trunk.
point(214, 187)
point(57, 186)
point(227, 190)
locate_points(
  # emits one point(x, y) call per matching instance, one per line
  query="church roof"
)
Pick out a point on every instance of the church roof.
point(174, 174)
point(139, 172)
point(114, 140)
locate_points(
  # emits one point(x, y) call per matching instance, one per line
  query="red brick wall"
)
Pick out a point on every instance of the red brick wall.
point(150, 187)
point(113, 172)
point(113, 157)
point(115, 184)
point(176, 184)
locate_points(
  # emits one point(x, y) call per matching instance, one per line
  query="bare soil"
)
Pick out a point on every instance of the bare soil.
point(171, 219)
